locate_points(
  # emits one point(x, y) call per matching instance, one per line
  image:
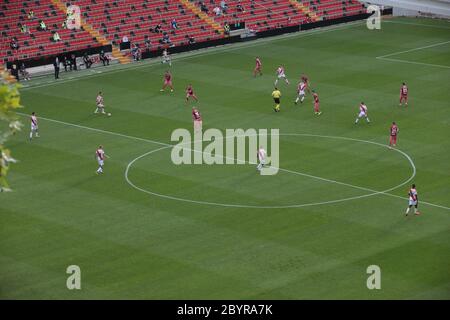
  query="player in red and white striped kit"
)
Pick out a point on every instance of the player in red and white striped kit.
point(99, 102)
point(258, 67)
point(362, 113)
point(100, 155)
point(281, 75)
point(261, 158)
point(34, 126)
point(305, 79)
point(300, 92)
point(403, 94)
point(166, 57)
point(413, 200)
point(393, 135)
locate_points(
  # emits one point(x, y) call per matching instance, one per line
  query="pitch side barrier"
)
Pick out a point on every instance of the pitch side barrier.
point(45, 60)
point(189, 47)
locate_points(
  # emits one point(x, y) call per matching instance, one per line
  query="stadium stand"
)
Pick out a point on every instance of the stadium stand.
point(139, 18)
point(257, 15)
point(35, 43)
point(269, 14)
point(105, 22)
point(333, 9)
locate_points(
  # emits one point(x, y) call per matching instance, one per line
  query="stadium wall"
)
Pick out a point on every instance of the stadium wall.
point(194, 46)
point(416, 8)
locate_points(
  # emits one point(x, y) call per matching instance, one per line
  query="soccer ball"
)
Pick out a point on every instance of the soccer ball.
point(109, 114)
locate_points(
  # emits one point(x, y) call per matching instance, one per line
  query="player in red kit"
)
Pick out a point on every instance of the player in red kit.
point(258, 67)
point(167, 81)
point(190, 93)
point(316, 103)
point(403, 94)
point(197, 118)
point(393, 135)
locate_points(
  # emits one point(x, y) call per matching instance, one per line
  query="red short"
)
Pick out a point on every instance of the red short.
point(168, 82)
point(393, 140)
point(404, 97)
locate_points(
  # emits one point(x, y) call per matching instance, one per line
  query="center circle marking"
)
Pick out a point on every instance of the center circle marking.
point(237, 205)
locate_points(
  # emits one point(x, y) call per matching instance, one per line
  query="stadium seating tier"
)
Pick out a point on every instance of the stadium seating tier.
point(137, 20)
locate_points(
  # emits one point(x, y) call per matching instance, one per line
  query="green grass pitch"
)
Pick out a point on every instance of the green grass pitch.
point(130, 244)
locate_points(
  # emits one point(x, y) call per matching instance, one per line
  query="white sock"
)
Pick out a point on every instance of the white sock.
point(357, 119)
point(296, 100)
point(367, 119)
point(303, 98)
point(407, 210)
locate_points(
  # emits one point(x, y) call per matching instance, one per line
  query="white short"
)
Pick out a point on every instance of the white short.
point(34, 128)
point(100, 162)
point(263, 161)
point(301, 93)
point(282, 75)
point(100, 106)
point(412, 203)
point(198, 125)
point(362, 114)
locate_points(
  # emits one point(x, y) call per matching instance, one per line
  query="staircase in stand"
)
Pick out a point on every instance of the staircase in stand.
point(116, 53)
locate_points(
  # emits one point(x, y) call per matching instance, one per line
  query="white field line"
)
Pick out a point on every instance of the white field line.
point(385, 57)
point(414, 49)
point(192, 54)
point(416, 24)
point(416, 63)
point(281, 169)
point(372, 192)
point(98, 130)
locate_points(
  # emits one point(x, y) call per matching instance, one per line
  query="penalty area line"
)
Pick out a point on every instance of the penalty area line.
point(386, 56)
point(414, 62)
point(414, 49)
